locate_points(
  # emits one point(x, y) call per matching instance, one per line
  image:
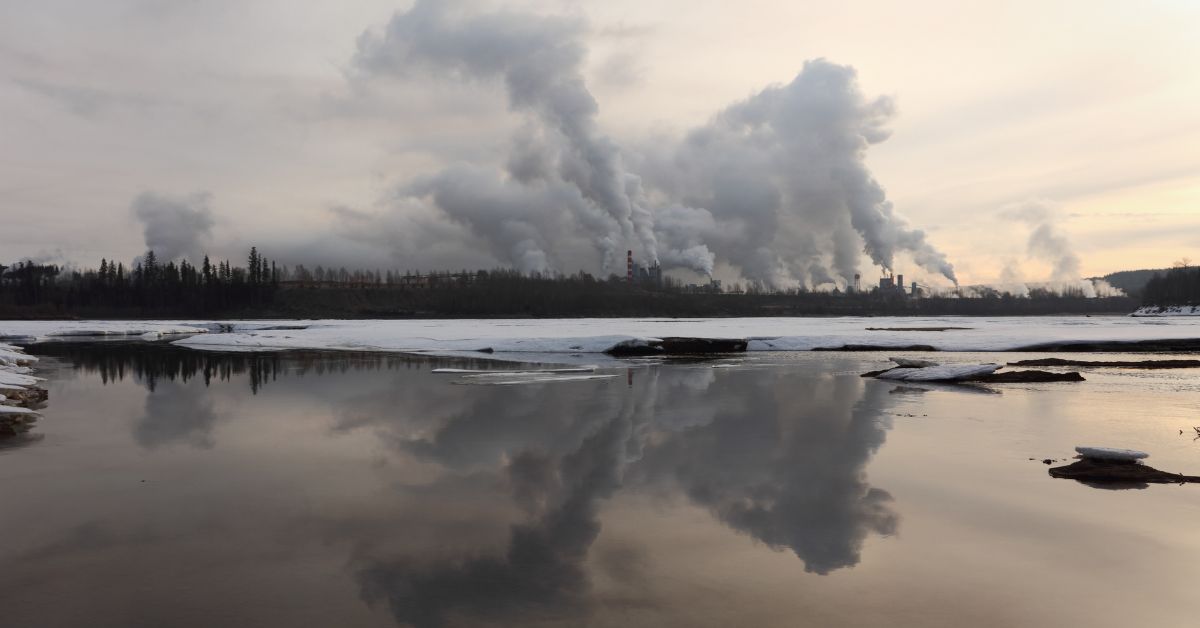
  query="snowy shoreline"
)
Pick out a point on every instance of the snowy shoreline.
point(594, 336)
point(20, 394)
point(1166, 310)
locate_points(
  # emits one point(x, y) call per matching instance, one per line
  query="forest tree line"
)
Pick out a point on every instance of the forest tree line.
point(1177, 286)
point(148, 286)
point(264, 289)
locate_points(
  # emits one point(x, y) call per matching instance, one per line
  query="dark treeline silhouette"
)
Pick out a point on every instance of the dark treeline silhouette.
point(149, 287)
point(1177, 286)
point(264, 289)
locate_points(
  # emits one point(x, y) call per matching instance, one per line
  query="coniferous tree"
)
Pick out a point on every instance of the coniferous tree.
point(252, 268)
point(150, 267)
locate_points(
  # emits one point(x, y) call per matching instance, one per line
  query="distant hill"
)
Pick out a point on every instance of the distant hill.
point(1132, 281)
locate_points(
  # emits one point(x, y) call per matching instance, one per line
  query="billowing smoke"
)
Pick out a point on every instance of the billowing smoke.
point(539, 59)
point(1086, 288)
point(683, 233)
point(174, 227)
point(773, 188)
point(782, 179)
point(1046, 242)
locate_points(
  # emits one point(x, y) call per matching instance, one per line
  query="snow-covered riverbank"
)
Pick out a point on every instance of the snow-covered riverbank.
point(19, 392)
point(591, 336)
point(1167, 310)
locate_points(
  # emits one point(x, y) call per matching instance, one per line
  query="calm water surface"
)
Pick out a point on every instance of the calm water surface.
point(172, 488)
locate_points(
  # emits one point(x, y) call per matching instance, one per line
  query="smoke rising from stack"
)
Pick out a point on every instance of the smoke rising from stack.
point(774, 187)
point(539, 59)
point(174, 227)
point(778, 186)
point(1046, 243)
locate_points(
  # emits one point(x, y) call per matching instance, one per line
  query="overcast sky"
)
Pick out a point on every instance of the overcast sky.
point(979, 135)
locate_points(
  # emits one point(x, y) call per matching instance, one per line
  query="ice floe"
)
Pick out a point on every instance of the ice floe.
point(1111, 453)
point(9, 378)
point(913, 362)
point(509, 372)
point(32, 331)
point(535, 378)
point(940, 373)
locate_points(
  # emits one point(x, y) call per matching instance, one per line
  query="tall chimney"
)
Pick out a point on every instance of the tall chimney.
point(629, 266)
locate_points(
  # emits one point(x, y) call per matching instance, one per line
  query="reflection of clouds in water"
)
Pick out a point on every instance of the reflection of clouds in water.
point(177, 413)
point(778, 456)
point(91, 536)
point(18, 441)
point(672, 397)
point(787, 468)
point(542, 572)
point(483, 427)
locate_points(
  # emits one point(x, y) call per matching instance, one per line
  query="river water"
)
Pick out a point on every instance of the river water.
point(165, 487)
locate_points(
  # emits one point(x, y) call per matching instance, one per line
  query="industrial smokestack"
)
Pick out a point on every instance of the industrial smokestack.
point(629, 266)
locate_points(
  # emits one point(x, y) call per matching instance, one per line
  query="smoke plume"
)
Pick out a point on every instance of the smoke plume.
point(539, 59)
point(1046, 242)
point(781, 176)
point(773, 188)
point(174, 227)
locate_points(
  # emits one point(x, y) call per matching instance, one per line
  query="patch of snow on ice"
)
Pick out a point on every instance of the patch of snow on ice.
point(1111, 453)
point(913, 362)
point(545, 379)
point(942, 373)
point(493, 373)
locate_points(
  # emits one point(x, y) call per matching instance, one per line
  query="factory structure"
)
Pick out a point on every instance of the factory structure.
point(890, 284)
point(893, 284)
point(636, 273)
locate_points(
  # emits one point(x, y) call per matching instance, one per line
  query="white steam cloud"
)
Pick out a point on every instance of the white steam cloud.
point(174, 227)
point(1046, 243)
point(774, 187)
point(779, 187)
point(539, 60)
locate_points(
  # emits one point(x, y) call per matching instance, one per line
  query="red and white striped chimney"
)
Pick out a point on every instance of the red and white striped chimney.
point(629, 266)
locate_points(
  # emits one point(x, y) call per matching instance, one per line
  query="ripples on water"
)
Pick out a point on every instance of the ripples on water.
point(169, 487)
